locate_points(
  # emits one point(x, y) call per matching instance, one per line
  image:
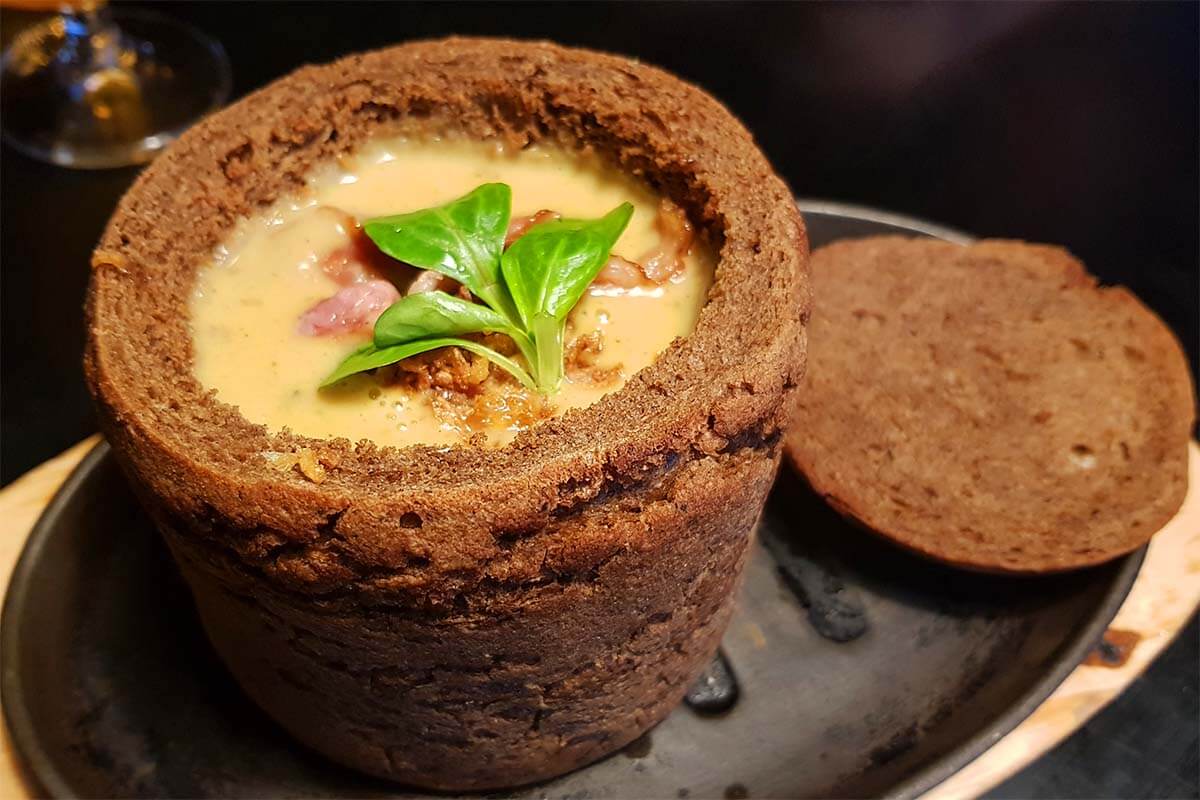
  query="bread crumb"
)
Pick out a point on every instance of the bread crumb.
point(305, 459)
point(283, 462)
point(310, 467)
point(109, 258)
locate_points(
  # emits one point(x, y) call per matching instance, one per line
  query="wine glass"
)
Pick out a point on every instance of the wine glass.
point(96, 87)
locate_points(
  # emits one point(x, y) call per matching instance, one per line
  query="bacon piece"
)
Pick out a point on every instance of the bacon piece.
point(620, 273)
point(429, 281)
point(675, 240)
point(361, 269)
point(354, 307)
point(359, 260)
point(518, 226)
point(658, 265)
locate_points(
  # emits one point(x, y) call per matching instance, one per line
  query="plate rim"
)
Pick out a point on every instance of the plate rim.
point(36, 760)
point(836, 208)
point(1079, 645)
point(38, 763)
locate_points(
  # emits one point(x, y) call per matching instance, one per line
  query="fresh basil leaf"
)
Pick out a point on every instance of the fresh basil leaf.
point(462, 239)
point(530, 288)
point(549, 268)
point(432, 314)
point(547, 334)
point(371, 357)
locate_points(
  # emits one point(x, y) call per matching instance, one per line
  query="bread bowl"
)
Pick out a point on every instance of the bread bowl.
point(461, 617)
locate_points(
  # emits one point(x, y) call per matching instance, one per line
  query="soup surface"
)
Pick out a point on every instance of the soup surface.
point(245, 308)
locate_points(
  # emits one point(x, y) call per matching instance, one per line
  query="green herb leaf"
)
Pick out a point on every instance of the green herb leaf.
point(371, 357)
point(547, 335)
point(433, 314)
point(529, 289)
point(462, 239)
point(549, 268)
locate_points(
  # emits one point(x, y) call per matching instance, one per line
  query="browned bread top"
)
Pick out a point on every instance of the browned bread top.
point(424, 520)
point(990, 405)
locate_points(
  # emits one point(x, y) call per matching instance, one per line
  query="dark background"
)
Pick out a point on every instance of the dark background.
point(1077, 124)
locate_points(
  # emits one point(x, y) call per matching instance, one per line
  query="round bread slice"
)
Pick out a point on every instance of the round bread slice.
point(989, 405)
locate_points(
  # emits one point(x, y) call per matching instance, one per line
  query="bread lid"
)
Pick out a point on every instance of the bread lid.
point(989, 405)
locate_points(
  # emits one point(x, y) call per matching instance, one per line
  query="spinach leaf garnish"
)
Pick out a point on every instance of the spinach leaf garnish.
point(420, 316)
point(526, 291)
point(462, 239)
point(548, 269)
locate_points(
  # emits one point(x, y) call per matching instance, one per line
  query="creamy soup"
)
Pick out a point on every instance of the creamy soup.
point(246, 304)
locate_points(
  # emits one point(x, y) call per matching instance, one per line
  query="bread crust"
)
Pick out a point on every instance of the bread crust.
point(991, 406)
point(396, 615)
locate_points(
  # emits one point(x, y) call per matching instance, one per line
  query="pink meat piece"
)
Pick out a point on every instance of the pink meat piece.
point(355, 307)
point(429, 281)
point(675, 240)
point(620, 273)
point(518, 226)
point(358, 260)
point(658, 265)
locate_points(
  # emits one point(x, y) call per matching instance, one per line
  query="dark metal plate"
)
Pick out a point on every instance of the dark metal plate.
point(860, 670)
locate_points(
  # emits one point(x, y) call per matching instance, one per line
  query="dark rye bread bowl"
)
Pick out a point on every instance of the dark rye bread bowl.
point(461, 618)
point(990, 405)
